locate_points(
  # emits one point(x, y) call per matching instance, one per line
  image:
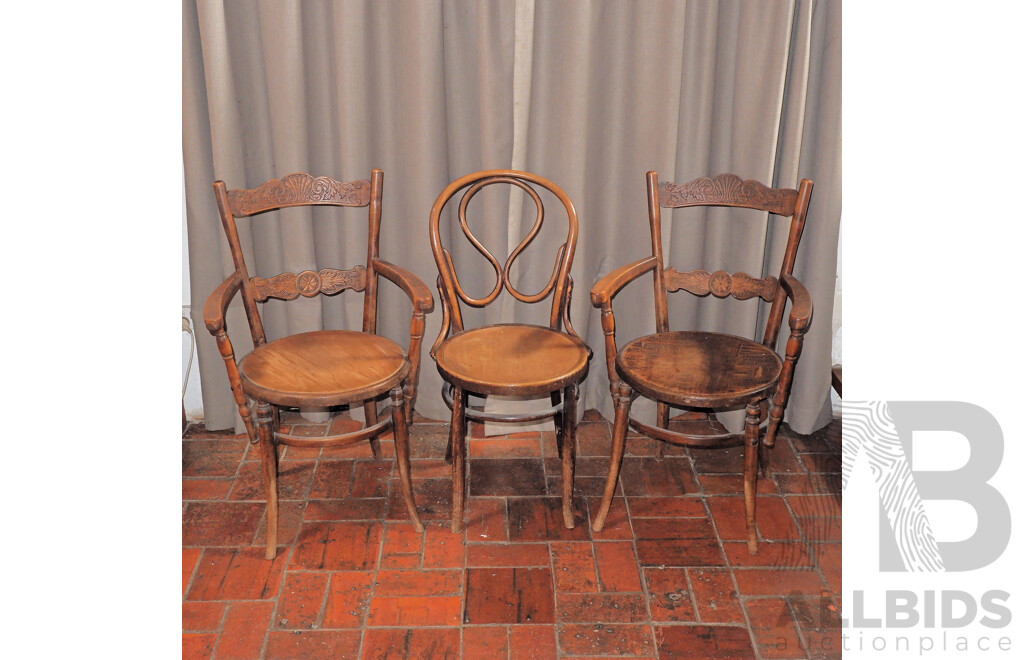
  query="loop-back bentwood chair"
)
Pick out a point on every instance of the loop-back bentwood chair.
point(702, 372)
point(513, 358)
point(324, 367)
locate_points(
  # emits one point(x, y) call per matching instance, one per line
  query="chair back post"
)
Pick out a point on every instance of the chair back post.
point(796, 230)
point(372, 251)
point(449, 288)
point(227, 218)
point(654, 211)
point(563, 285)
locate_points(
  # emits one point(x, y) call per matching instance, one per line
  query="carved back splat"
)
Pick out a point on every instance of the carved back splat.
point(721, 284)
point(308, 283)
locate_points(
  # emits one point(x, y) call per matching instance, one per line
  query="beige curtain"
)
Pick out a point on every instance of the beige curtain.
point(588, 94)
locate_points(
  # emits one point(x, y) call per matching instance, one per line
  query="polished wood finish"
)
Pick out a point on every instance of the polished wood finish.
point(702, 372)
point(325, 367)
point(510, 359)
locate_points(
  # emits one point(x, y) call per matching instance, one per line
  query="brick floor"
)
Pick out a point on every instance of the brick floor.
point(668, 577)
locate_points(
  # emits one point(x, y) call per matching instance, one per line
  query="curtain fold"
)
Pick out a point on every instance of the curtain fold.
point(588, 94)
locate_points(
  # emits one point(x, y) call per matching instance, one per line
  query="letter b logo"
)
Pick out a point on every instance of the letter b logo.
point(883, 431)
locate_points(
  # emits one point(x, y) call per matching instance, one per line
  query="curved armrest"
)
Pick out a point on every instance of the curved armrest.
point(610, 284)
point(800, 314)
point(217, 303)
point(446, 319)
point(413, 286)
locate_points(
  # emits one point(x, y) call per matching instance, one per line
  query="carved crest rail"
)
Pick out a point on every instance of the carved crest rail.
point(296, 190)
point(728, 190)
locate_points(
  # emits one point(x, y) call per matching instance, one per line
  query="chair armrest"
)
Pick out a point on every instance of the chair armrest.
point(800, 314)
point(610, 284)
point(413, 286)
point(217, 304)
point(799, 319)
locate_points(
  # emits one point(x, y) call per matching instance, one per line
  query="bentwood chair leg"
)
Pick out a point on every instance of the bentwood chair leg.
point(401, 428)
point(622, 403)
point(750, 460)
point(556, 398)
point(568, 434)
point(458, 443)
point(370, 414)
point(265, 429)
point(448, 449)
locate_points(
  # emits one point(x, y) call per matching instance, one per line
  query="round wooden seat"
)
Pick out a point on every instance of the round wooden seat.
point(512, 359)
point(698, 368)
point(323, 368)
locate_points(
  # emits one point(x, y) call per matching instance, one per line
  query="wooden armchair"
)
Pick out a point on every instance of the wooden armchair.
point(702, 372)
point(516, 358)
point(325, 367)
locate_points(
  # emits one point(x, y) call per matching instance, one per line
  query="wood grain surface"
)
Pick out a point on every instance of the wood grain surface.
point(326, 367)
point(512, 359)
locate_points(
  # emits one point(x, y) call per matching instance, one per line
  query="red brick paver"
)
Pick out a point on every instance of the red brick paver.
point(668, 577)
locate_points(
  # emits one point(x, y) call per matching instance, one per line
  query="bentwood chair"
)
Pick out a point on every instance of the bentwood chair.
point(705, 372)
point(325, 367)
point(509, 358)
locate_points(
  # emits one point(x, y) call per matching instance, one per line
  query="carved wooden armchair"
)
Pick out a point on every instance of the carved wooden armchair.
point(516, 359)
point(701, 372)
point(325, 367)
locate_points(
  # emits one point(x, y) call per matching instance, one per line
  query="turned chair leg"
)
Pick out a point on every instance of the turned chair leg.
point(750, 461)
point(568, 435)
point(622, 403)
point(265, 429)
point(457, 439)
point(767, 444)
point(401, 428)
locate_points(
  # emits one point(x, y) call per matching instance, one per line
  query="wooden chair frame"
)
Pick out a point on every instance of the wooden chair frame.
point(704, 429)
point(300, 189)
point(563, 391)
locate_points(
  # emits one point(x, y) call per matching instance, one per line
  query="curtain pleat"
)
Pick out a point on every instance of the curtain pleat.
point(427, 91)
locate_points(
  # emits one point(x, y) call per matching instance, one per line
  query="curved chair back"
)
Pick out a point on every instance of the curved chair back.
point(452, 293)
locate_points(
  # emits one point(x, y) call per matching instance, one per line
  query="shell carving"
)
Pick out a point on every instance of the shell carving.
point(728, 190)
point(296, 189)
